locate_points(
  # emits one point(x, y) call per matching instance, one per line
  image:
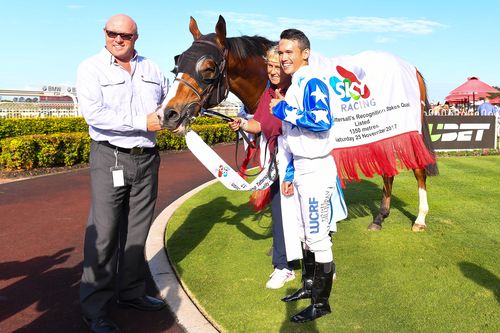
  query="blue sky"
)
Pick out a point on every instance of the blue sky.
point(42, 42)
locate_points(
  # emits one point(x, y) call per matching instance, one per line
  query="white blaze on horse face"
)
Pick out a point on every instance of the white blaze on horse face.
point(172, 91)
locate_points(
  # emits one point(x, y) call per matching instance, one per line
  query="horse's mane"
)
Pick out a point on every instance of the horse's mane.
point(248, 46)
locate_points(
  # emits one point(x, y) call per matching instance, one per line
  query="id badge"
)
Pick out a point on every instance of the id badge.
point(118, 177)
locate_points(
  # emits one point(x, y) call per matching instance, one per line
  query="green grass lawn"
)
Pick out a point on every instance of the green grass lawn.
point(446, 279)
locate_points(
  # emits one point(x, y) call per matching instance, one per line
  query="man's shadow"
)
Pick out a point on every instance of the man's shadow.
point(46, 284)
point(52, 289)
point(482, 277)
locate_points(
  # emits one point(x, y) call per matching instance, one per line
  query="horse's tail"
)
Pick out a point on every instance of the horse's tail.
point(430, 169)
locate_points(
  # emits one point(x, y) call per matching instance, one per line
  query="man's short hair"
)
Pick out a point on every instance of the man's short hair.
point(299, 36)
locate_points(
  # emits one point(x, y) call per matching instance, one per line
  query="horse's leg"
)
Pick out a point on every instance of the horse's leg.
point(423, 206)
point(385, 204)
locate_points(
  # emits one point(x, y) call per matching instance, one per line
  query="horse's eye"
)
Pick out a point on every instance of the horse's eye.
point(207, 70)
point(211, 73)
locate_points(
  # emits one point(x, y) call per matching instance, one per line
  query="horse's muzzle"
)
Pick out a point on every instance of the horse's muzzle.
point(171, 119)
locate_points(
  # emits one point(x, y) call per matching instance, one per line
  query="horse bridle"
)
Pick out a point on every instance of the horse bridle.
point(206, 93)
point(216, 84)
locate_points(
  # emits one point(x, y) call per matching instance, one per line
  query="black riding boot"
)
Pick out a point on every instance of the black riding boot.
point(307, 278)
point(322, 286)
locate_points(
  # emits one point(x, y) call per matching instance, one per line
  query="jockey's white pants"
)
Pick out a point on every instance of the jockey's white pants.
point(320, 204)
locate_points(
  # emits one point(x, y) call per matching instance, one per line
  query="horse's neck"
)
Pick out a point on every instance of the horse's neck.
point(250, 100)
point(248, 82)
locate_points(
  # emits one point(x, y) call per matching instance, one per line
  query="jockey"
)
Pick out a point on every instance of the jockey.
point(311, 175)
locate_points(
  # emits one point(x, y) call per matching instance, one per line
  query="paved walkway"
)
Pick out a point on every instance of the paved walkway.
point(42, 222)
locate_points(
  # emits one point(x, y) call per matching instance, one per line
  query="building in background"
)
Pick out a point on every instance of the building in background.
point(62, 101)
point(228, 107)
point(50, 101)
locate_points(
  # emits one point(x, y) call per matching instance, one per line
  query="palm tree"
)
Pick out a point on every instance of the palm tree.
point(496, 94)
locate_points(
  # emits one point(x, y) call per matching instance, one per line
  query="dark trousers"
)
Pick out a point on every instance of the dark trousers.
point(118, 224)
point(279, 250)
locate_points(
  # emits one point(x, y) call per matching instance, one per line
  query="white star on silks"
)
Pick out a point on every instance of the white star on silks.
point(320, 115)
point(292, 117)
point(319, 95)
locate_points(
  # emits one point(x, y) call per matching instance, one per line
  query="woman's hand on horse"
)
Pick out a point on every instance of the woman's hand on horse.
point(236, 124)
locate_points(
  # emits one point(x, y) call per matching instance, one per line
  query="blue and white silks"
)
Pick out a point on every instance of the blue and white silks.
point(305, 148)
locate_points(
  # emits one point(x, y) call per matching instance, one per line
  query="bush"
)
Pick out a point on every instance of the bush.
point(66, 149)
point(32, 151)
point(13, 127)
point(18, 153)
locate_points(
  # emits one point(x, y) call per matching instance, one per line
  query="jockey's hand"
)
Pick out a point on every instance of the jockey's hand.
point(278, 94)
point(287, 189)
point(274, 101)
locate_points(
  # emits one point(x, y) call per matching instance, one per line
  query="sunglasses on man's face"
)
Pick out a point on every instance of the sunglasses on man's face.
point(124, 36)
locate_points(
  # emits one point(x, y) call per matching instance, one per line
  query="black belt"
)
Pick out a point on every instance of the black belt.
point(131, 151)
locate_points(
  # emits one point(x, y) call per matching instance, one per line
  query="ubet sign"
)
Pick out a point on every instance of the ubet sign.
point(462, 132)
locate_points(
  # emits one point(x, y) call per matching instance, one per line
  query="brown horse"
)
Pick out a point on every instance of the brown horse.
point(215, 65)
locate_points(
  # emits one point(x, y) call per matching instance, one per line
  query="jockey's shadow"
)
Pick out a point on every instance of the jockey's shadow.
point(363, 199)
point(202, 218)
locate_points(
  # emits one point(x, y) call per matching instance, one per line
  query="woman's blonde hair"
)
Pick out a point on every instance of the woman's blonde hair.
point(272, 54)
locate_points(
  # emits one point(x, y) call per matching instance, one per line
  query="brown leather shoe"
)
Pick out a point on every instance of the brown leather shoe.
point(143, 303)
point(101, 325)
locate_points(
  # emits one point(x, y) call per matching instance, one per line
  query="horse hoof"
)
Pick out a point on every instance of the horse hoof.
point(374, 227)
point(418, 227)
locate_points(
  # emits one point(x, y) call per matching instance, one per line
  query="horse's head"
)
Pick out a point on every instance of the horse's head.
point(200, 77)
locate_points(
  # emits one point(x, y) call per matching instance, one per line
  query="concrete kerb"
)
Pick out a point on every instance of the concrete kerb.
point(167, 282)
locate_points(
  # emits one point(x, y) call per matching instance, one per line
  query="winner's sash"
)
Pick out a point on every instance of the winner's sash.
point(223, 172)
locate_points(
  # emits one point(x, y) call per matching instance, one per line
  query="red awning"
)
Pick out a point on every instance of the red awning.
point(473, 89)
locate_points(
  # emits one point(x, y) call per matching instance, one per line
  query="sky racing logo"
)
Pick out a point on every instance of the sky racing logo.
point(222, 171)
point(349, 86)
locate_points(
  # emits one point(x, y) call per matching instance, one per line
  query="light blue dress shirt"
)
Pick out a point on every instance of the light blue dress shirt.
point(115, 104)
point(487, 109)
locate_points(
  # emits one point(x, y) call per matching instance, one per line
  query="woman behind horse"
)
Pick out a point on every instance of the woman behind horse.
point(270, 126)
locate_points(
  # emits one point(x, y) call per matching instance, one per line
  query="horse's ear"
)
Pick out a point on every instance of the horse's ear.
point(220, 30)
point(193, 27)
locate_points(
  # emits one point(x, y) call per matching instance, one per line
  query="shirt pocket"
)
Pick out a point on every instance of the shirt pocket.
point(152, 87)
point(110, 82)
point(113, 91)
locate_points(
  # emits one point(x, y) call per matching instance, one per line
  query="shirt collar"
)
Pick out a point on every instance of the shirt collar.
point(300, 73)
point(108, 58)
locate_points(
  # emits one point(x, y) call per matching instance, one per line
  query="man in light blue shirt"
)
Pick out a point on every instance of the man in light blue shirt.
point(487, 109)
point(118, 93)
